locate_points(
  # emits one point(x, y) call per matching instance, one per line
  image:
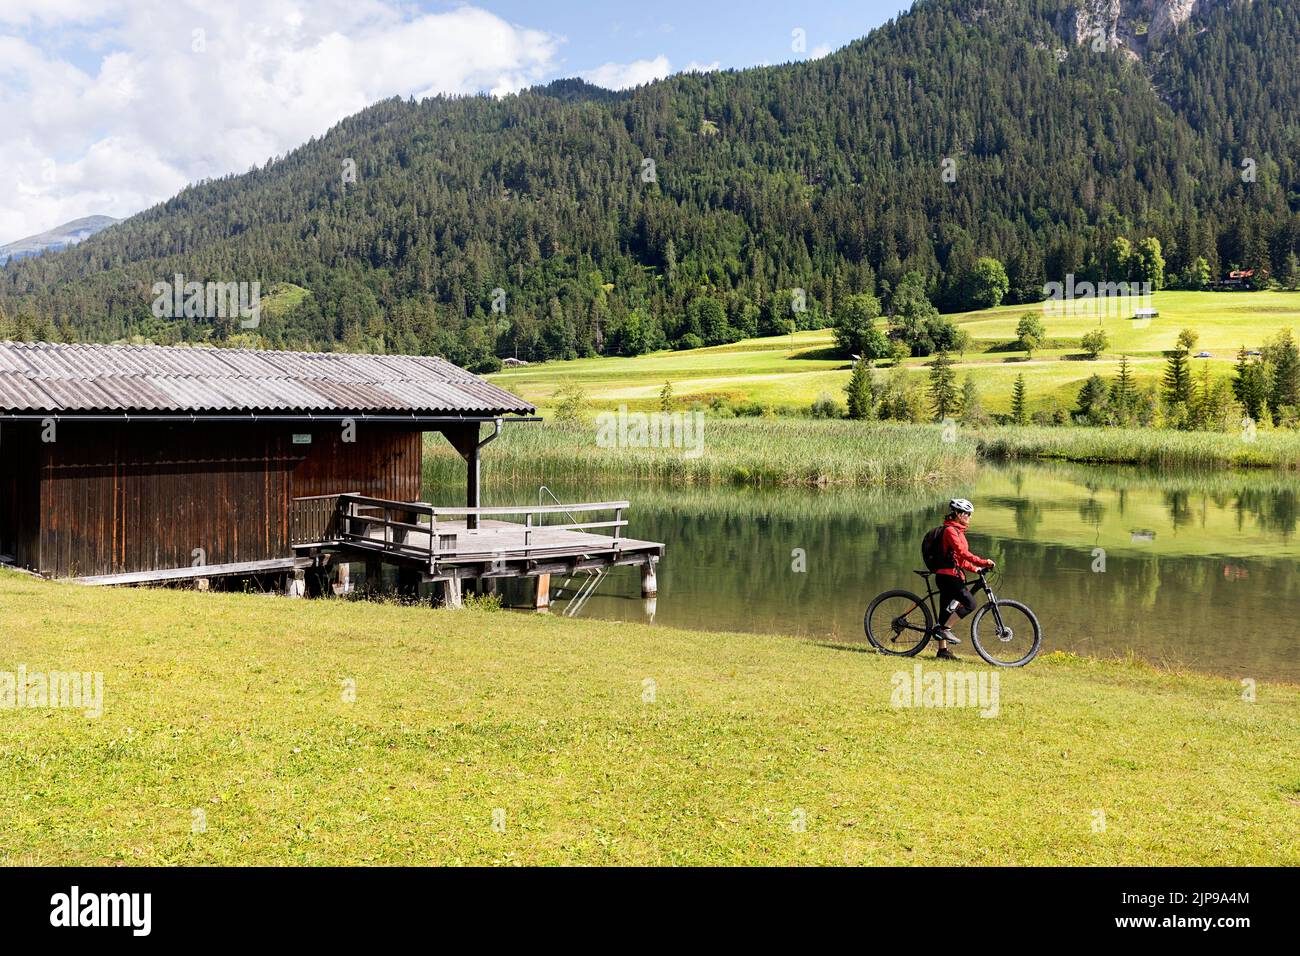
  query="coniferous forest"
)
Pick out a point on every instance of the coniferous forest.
point(569, 220)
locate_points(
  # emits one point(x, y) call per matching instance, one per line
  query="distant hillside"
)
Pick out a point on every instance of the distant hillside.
point(702, 207)
point(68, 234)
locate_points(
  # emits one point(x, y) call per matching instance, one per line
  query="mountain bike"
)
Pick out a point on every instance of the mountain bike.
point(902, 623)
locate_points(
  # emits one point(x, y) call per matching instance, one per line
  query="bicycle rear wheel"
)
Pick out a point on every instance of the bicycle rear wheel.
point(899, 623)
point(1011, 637)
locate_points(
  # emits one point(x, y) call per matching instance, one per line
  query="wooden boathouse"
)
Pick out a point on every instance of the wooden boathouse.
point(125, 464)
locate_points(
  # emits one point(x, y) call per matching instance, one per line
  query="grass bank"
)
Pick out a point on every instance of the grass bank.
point(234, 705)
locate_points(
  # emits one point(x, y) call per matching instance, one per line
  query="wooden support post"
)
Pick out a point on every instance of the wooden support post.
point(295, 583)
point(649, 584)
point(472, 486)
point(342, 579)
point(465, 439)
point(543, 600)
point(200, 584)
point(451, 593)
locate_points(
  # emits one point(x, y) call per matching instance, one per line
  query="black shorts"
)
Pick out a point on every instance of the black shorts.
point(954, 589)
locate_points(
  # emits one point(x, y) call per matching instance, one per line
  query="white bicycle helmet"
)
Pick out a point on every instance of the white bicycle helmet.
point(961, 506)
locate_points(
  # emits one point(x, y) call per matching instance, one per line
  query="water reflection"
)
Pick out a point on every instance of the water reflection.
point(1192, 567)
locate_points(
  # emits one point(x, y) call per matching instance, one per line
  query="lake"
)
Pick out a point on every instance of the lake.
point(1181, 570)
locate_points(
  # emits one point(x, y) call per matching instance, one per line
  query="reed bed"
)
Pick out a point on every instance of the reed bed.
point(760, 452)
point(1132, 446)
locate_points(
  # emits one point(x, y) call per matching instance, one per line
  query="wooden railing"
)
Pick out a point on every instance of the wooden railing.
point(412, 529)
point(313, 520)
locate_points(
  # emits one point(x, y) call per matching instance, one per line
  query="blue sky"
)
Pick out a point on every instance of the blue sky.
point(731, 34)
point(111, 106)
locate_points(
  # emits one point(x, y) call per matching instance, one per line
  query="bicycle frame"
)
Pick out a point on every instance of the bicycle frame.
point(932, 595)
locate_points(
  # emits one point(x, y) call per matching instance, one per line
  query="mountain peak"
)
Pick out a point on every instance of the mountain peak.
point(67, 234)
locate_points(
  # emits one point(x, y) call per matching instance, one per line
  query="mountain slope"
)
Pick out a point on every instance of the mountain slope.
point(68, 234)
point(824, 176)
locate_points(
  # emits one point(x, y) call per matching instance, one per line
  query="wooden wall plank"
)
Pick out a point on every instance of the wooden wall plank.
point(123, 497)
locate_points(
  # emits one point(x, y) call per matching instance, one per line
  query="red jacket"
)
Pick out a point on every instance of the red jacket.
point(956, 550)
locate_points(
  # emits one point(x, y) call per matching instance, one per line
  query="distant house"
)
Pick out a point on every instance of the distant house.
point(512, 362)
point(1237, 279)
point(1145, 314)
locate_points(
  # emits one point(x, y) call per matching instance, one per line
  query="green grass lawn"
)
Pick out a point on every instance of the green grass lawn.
point(789, 372)
point(233, 704)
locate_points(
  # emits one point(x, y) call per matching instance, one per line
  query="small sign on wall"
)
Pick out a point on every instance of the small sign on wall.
point(300, 439)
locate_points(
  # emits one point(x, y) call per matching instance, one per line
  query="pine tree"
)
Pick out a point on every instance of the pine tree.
point(1251, 386)
point(1178, 375)
point(943, 386)
point(1019, 411)
point(1124, 392)
point(861, 391)
point(972, 409)
point(1201, 409)
point(1093, 400)
point(1177, 381)
point(1291, 272)
point(1284, 359)
point(666, 397)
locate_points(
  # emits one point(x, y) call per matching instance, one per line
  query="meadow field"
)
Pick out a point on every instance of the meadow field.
point(788, 373)
point(245, 729)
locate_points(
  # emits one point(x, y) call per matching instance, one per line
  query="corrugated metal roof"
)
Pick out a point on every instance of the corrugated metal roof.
point(50, 378)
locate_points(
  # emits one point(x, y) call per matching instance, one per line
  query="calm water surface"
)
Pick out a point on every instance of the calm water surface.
point(1177, 569)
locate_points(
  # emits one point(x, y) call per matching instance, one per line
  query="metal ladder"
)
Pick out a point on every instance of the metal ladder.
point(584, 592)
point(588, 587)
point(542, 489)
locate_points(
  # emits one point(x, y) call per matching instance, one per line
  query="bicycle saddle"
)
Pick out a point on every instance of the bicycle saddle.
point(924, 574)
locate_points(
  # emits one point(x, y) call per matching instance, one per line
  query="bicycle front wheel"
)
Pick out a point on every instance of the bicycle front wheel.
point(1006, 634)
point(899, 623)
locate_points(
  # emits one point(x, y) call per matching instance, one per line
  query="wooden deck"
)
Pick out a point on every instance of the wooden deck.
point(454, 543)
point(447, 545)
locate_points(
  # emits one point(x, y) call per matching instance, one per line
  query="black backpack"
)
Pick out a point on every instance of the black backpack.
point(932, 550)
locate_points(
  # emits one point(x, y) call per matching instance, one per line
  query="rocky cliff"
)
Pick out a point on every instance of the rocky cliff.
point(1130, 24)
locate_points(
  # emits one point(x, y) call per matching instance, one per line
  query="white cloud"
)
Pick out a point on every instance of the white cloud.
point(119, 106)
point(24, 12)
point(821, 50)
point(622, 76)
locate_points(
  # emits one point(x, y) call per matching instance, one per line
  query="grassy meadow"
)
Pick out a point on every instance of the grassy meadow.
point(789, 372)
point(602, 745)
